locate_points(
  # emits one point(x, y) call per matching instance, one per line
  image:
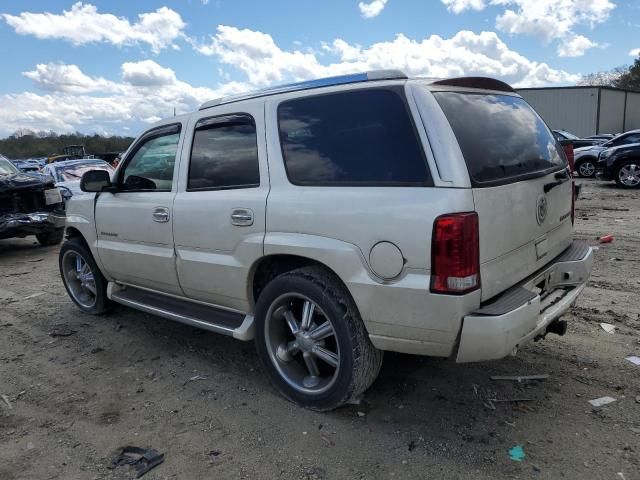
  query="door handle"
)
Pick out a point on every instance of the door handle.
point(160, 214)
point(242, 217)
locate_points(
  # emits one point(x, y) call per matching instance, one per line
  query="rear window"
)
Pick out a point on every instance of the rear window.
point(502, 138)
point(358, 138)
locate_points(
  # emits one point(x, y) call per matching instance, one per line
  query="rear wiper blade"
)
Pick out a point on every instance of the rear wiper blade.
point(561, 177)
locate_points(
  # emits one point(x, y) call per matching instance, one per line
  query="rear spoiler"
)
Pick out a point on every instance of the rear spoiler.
point(484, 83)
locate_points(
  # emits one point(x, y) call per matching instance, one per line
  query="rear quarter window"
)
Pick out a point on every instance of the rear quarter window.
point(359, 138)
point(502, 138)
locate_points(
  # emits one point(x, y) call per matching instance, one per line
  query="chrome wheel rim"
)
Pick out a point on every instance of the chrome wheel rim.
point(302, 344)
point(79, 279)
point(587, 169)
point(629, 175)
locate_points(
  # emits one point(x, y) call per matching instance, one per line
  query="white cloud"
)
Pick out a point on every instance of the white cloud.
point(263, 62)
point(71, 99)
point(547, 20)
point(459, 6)
point(575, 46)
point(147, 73)
point(66, 78)
point(77, 101)
point(84, 24)
point(635, 52)
point(372, 9)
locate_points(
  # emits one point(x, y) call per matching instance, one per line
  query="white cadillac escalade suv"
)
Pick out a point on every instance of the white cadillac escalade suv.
point(334, 219)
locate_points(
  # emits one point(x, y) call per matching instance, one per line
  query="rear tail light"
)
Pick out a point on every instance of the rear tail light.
point(455, 254)
point(574, 193)
point(568, 151)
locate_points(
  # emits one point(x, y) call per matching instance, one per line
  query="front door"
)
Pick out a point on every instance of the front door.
point(134, 224)
point(219, 210)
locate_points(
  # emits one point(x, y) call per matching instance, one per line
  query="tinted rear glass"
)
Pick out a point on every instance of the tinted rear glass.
point(360, 137)
point(501, 137)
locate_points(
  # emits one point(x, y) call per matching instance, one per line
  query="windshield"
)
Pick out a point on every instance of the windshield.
point(71, 173)
point(7, 168)
point(502, 138)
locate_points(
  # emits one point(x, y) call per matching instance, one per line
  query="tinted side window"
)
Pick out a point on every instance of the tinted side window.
point(360, 138)
point(627, 139)
point(152, 165)
point(502, 138)
point(224, 154)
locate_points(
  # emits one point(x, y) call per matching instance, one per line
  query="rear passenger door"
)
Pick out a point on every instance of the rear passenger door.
point(219, 221)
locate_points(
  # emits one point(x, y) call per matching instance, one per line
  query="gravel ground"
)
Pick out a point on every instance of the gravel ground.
point(81, 387)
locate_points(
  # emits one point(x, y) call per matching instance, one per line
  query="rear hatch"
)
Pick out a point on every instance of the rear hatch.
point(520, 183)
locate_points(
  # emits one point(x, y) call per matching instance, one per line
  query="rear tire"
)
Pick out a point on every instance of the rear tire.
point(82, 278)
point(628, 175)
point(586, 168)
point(50, 238)
point(330, 359)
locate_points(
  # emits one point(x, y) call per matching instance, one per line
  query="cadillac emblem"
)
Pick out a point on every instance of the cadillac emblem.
point(541, 208)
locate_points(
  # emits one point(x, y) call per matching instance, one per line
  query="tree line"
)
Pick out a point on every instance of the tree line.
point(28, 144)
point(627, 77)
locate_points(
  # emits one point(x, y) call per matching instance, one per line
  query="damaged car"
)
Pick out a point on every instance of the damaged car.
point(29, 206)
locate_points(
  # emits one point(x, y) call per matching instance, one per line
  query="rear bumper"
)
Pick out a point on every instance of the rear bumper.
point(21, 224)
point(524, 312)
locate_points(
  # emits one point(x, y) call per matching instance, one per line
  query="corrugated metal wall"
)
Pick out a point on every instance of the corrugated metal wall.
point(611, 111)
point(571, 109)
point(576, 109)
point(633, 111)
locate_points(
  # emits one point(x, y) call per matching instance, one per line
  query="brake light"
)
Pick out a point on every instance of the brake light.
point(568, 151)
point(455, 254)
point(573, 201)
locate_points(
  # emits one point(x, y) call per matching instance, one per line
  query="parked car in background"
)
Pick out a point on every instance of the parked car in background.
point(586, 158)
point(576, 141)
point(602, 136)
point(30, 167)
point(334, 219)
point(622, 164)
point(29, 206)
point(67, 174)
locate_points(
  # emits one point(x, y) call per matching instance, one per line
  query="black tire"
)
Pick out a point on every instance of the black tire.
point(53, 237)
point(630, 165)
point(586, 168)
point(359, 360)
point(78, 247)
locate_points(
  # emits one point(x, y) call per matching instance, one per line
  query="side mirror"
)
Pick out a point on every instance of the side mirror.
point(95, 181)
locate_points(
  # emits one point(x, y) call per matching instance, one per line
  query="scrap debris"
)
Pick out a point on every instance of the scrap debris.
point(599, 402)
point(634, 359)
point(516, 453)
point(606, 239)
point(5, 399)
point(62, 332)
point(607, 327)
point(142, 459)
point(520, 378)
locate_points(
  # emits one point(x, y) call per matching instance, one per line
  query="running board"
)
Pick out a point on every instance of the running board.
point(207, 317)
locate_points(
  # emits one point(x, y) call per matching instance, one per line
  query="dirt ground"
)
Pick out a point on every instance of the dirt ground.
point(81, 387)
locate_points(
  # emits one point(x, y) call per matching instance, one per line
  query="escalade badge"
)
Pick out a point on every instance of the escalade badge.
point(541, 209)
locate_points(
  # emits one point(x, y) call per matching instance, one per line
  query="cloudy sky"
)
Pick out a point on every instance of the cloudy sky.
point(115, 67)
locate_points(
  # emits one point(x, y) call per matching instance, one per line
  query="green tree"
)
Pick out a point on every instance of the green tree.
point(630, 79)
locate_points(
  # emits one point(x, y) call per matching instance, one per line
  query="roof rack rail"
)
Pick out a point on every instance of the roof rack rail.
point(476, 82)
point(307, 85)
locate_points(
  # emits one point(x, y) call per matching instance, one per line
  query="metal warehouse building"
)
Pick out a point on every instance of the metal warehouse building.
point(586, 110)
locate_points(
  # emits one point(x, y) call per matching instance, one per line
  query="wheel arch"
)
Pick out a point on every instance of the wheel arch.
point(270, 266)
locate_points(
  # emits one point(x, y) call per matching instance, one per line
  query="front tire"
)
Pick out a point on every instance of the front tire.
point(628, 175)
point(312, 341)
point(82, 278)
point(587, 168)
point(53, 237)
